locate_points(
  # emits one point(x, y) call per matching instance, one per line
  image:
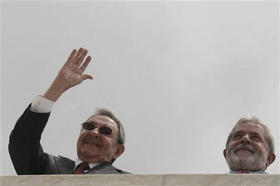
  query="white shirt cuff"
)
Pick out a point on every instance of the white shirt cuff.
point(41, 105)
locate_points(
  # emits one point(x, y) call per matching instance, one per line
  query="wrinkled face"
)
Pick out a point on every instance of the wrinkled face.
point(99, 145)
point(248, 148)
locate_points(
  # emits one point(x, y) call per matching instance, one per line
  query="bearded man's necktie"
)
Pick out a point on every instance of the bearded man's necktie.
point(242, 172)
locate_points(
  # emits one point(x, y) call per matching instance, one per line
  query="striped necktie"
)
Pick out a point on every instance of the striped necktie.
point(242, 172)
point(81, 168)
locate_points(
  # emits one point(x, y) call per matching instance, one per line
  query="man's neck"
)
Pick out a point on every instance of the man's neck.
point(249, 172)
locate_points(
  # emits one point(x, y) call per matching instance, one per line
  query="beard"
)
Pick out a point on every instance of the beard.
point(245, 157)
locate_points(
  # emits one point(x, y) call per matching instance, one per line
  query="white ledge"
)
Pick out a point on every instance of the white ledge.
point(143, 180)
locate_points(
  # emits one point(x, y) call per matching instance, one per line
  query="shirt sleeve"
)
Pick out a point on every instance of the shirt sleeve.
point(41, 105)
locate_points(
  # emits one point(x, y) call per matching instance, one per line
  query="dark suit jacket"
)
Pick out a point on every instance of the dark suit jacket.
point(27, 153)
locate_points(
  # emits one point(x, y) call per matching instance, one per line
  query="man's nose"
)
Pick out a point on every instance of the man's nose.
point(95, 131)
point(246, 139)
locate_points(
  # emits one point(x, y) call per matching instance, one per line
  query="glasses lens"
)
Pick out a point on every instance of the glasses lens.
point(88, 126)
point(106, 131)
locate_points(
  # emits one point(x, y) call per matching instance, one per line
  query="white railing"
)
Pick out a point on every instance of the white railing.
point(143, 180)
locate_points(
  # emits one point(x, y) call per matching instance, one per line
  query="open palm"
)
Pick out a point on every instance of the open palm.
point(71, 73)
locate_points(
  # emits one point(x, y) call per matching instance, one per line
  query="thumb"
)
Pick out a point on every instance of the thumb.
point(86, 76)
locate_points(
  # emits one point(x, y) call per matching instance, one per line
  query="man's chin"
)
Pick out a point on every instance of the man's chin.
point(89, 152)
point(242, 161)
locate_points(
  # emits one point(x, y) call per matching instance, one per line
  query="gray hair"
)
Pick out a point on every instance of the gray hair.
point(108, 113)
point(268, 136)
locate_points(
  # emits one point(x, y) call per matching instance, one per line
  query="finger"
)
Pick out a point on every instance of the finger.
point(78, 54)
point(86, 76)
point(82, 57)
point(85, 64)
point(70, 58)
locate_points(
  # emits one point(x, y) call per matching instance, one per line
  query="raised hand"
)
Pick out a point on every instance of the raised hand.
point(70, 75)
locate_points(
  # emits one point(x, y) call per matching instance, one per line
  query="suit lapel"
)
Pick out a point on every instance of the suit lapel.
point(65, 165)
point(103, 168)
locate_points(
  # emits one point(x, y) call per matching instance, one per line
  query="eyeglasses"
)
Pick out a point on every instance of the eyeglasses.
point(91, 126)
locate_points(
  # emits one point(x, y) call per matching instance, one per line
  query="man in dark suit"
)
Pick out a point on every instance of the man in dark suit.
point(249, 147)
point(101, 139)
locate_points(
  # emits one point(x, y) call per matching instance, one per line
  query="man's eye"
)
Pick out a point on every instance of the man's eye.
point(106, 131)
point(256, 138)
point(237, 136)
point(88, 126)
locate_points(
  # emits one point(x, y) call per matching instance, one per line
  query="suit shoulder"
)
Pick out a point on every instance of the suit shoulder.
point(121, 171)
point(58, 165)
point(62, 158)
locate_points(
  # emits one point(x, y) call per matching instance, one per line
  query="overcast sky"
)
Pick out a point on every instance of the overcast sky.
point(178, 75)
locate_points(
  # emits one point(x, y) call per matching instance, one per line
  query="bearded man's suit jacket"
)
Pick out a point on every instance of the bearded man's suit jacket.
point(27, 153)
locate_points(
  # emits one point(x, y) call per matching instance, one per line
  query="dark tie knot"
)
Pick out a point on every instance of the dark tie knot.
point(81, 168)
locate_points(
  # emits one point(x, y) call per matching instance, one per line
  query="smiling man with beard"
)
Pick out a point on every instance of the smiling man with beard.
point(101, 139)
point(249, 147)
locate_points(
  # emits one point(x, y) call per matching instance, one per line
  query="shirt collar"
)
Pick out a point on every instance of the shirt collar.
point(78, 162)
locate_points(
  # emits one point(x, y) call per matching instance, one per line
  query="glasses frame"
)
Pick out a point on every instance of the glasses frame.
point(103, 130)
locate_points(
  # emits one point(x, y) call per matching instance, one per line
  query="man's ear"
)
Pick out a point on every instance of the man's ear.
point(225, 153)
point(120, 149)
point(270, 159)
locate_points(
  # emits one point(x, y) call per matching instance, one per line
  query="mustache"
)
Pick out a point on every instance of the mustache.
point(247, 147)
point(93, 140)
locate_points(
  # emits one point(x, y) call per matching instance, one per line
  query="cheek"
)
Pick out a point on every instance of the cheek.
point(260, 147)
point(233, 144)
point(109, 144)
point(81, 138)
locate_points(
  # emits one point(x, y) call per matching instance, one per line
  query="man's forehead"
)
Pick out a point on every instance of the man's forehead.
point(101, 119)
point(250, 127)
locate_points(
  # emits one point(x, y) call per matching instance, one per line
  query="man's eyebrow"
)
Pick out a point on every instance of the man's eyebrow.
point(255, 133)
point(106, 127)
point(90, 122)
point(104, 124)
point(238, 132)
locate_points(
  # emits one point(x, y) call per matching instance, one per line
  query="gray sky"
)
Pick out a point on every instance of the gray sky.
point(178, 74)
